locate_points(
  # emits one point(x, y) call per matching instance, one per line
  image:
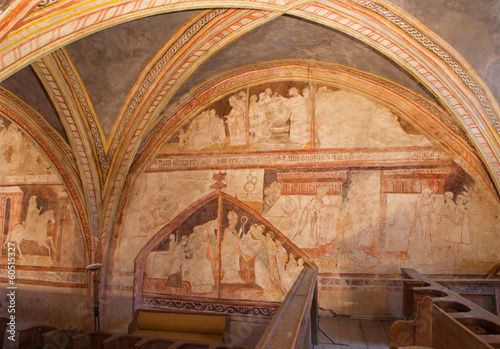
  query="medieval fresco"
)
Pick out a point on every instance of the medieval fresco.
point(17, 153)
point(316, 174)
point(281, 116)
point(256, 262)
point(222, 249)
point(263, 118)
point(38, 218)
point(185, 260)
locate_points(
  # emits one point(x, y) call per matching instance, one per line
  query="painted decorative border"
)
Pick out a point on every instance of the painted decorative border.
point(86, 109)
point(160, 303)
point(436, 49)
point(465, 288)
point(61, 168)
point(151, 78)
point(438, 124)
point(43, 123)
point(297, 158)
point(62, 93)
point(226, 28)
point(45, 3)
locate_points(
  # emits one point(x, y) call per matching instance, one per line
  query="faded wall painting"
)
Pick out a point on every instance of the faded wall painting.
point(18, 155)
point(35, 212)
point(285, 116)
point(185, 260)
point(219, 248)
point(347, 181)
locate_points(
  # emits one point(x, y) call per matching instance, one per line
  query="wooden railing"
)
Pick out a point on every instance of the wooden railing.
point(494, 271)
point(444, 318)
point(295, 324)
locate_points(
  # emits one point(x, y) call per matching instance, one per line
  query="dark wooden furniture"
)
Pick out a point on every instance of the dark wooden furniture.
point(417, 331)
point(32, 338)
point(90, 340)
point(444, 319)
point(60, 338)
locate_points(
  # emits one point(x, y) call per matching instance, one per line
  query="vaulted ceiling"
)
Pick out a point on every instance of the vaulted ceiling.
point(90, 81)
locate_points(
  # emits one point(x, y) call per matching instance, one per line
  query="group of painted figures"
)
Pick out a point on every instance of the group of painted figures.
point(257, 257)
point(187, 258)
point(451, 217)
point(266, 118)
point(322, 223)
point(248, 259)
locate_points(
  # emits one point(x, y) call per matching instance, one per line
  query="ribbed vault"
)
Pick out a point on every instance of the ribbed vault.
point(98, 157)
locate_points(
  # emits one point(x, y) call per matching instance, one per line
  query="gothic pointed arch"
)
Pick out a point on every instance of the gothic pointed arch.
point(218, 247)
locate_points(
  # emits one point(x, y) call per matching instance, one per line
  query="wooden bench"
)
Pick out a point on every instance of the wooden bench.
point(90, 340)
point(32, 337)
point(185, 326)
point(434, 328)
point(60, 338)
point(444, 319)
point(120, 341)
point(415, 332)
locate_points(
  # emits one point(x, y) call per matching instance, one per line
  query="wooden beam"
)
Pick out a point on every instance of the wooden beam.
point(292, 325)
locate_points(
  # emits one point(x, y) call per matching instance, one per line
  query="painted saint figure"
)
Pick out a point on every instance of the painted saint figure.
point(300, 116)
point(425, 213)
point(250, 245)
point(197, 268)
point(159, 262)
point(316, 223)
point(205, 130)
point(236, 120)
point(293, 269)
point(172, 242)
point(445, 214)
point(460, 231)
point(230, 251)
point(282, 259)
point(174, 272)
point(259, 129)
point(272, 255)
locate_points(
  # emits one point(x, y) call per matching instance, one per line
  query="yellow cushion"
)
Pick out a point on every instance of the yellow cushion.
point(176, 322)
point(180, 335)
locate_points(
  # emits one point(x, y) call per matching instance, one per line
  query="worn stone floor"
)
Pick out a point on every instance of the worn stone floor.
point(353, 333)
